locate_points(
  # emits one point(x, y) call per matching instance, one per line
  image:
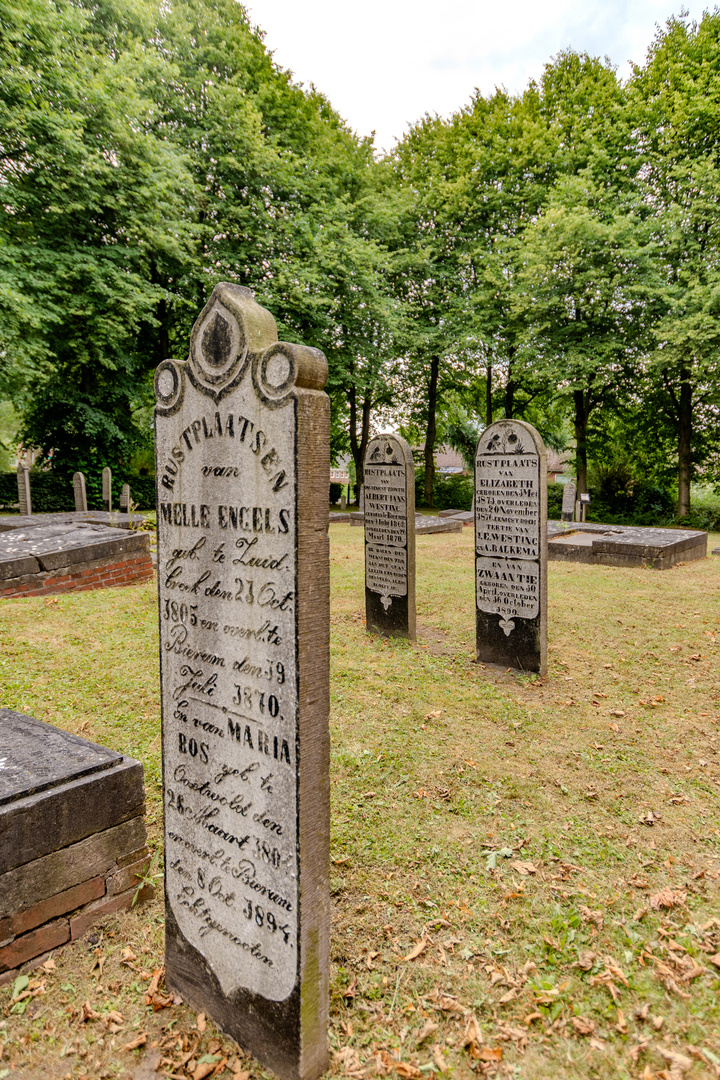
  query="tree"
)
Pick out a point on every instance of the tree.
point(676, 102)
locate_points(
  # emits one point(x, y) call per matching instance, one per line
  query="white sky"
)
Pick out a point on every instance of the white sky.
point(384, 63)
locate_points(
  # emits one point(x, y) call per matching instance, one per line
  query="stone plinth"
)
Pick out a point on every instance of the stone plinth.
point(72, 838)
point(59, 558)
point(624, 545)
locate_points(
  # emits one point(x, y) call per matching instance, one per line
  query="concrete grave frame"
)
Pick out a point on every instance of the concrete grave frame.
point(240, 379)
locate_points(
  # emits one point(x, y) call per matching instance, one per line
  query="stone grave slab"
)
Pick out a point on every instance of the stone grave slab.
point(624, 545)
point(389, 537)
point(70, 517)
point(72, 837)
point(423, 523)
point(58, 557)
point(511, 547)
point(243, 458)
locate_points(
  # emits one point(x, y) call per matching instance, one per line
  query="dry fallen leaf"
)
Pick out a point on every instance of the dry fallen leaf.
point(408, 1072)
point(203, 1070)
point(667, 898)
point(139, 1041)
point(419, 948)
point(49, 964)
point(491, 1053)
point(426, 1030)
point(201, 1022)
point(88, 1013)
point(523, 867)
point(582, 1025)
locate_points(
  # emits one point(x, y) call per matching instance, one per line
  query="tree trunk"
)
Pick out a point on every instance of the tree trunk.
point(684, 445)
point(510, 388)
point(431, 433)
point(582, 413)
point(359, 446)
point(488, 394)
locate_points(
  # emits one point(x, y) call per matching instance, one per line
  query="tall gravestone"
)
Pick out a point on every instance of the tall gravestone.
point(511, 546)
point(107, 488)
point(242, 453)
point(125, 498)
point(568, 501)
point(79, 492)
point(23, 482)
point(389, 489)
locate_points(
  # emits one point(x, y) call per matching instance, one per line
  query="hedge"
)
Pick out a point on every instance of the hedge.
point(51, 492)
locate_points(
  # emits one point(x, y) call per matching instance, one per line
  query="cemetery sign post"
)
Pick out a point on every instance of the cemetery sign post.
point(511, 546)
point(242, 446)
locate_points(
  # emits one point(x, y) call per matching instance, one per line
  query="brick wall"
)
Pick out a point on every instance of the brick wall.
point(68, 915)
point(99, 574)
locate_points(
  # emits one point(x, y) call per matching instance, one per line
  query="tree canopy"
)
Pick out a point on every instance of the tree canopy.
point(552, 254)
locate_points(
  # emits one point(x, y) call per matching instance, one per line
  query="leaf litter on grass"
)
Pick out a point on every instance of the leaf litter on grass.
point(599, 961)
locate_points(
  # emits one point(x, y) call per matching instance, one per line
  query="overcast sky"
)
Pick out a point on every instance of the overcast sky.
point(384, 63)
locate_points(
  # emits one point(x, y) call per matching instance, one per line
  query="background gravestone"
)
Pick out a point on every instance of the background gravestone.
point(125, 498)
point(511, 546)
point(107, 488)
point(242, 447)
point(568, 501)
point(79, 492)
point(389, 490)
point(24, 498)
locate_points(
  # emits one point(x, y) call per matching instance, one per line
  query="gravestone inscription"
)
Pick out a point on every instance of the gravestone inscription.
point(568, 501)
point(107, 488)
point(242, 445)
point(79, 492)
point(389, 491)
point(511, 546)
point(23, 482)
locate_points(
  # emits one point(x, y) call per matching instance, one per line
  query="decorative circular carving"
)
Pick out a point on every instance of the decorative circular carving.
point(274, 373)
point(169, 386)
point(218, 351)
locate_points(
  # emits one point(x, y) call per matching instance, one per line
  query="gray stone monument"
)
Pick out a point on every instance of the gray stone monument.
point(343, 502)
point(79, 492)
point(23, 482)
point(125, 498)
point(243, 457)
point(568, 501)
point(361, 499)
point(390, 537)
point(107, 488)
point(511, 547)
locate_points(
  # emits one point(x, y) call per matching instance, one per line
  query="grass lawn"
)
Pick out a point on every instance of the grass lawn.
point(525, 872)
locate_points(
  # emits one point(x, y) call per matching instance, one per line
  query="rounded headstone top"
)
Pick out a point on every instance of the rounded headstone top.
point(510, 437)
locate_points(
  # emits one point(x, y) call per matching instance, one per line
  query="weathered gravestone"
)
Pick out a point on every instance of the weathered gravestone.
point(79, 492)
point(242, 445)
point(511, 546)
point(125, 498)
point(389, 489)
point(361, 499)
point(107, 488)
point(23, 481)
point(568, 501)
